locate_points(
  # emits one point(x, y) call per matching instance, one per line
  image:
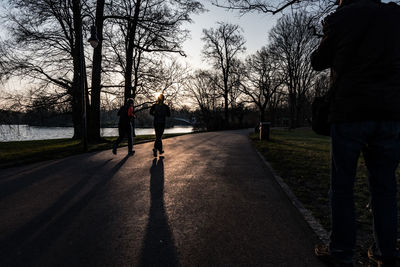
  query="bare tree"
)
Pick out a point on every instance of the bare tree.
point(222, 46)
point(45, 44)
point(201, 87)
point(238, 73)
point(263, 80)
point(44, 49)
point(291, 44)
point(276, 6)
point(265, 6)
point(141, 26)
point(163, 76)
point(316, 8)
point(146, 26)
point(95, 94)
point(320, 7)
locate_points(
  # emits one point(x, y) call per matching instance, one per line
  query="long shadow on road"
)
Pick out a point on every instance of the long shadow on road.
point(158, 247)
point(30, 177)
point(23, 247)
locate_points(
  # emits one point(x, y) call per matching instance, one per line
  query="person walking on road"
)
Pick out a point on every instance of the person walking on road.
point(160, 111)
point(126, 126)
point(361, 46)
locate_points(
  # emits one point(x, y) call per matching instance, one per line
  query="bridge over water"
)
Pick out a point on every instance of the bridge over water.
point(182, 120)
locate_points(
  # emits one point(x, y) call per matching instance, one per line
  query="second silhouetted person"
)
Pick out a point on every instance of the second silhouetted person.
point(160, 111)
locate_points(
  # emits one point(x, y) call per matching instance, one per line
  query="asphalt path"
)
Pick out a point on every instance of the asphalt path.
point(210, 201)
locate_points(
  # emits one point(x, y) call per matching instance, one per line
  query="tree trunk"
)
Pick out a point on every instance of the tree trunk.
point(77, 79)
point(226, 111)
point(226, 104)
point(76, 109)
point(136, 74)
point(129, 52)
point(262, 114)
point(293, 111)
point(94, 122)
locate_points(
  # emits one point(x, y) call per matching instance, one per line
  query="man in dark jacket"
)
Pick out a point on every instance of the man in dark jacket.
point(160, 111)
point(126, 126)
point(361, 46)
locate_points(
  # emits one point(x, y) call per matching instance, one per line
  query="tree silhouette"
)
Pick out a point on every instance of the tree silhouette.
point(221, 48)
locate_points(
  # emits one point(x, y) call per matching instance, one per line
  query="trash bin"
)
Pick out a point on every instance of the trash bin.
point(264, 130)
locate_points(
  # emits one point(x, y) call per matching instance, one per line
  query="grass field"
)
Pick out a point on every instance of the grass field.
point(302, 159)
point(23, 152)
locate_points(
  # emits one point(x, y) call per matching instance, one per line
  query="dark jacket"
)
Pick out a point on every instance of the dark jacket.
point(126, 116)
point(361, 45)
point(160, 112)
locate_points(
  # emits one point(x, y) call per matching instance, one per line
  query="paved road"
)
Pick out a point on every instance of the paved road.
point(209, 202)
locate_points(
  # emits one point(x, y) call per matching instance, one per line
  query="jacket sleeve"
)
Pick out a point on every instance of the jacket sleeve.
point(322, 57)
point(168, 111)
point(152, 110)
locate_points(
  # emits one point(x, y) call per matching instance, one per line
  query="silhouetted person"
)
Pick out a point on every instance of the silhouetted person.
point(126, 126)
point(160, 111)
point(361, 45)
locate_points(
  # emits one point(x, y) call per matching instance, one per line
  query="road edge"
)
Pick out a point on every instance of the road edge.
point(317, 228)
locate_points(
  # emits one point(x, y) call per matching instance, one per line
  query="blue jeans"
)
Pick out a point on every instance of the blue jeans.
point(379, 141)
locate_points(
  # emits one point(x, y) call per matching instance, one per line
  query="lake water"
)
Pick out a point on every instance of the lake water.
point(26, 132)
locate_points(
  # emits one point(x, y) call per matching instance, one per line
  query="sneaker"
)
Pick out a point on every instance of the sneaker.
point(131, 153)
point(154, 152)
point(114, 150)
point(323, 253)
point(161, 152)
point(379, 261)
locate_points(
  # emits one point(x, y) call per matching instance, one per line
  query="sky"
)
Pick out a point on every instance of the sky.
point(255, 31)
point(255, 27)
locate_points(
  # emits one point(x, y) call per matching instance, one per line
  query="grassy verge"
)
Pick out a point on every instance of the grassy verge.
point(23, 152)
point(302, 159)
